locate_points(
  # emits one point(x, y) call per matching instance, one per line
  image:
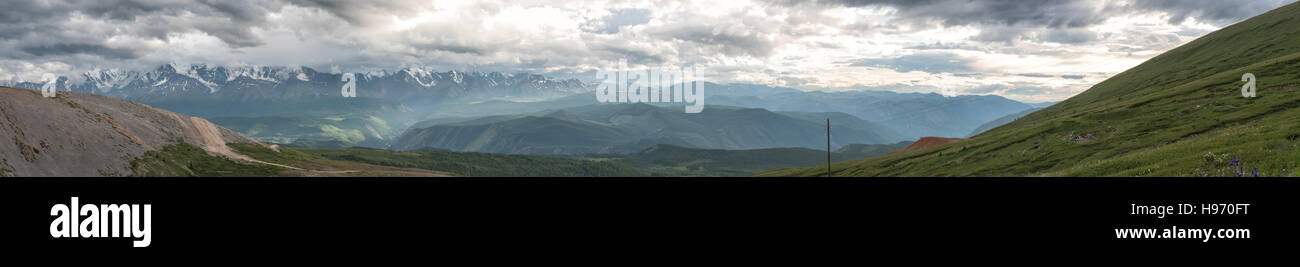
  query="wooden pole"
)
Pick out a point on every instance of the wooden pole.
point(828, 147)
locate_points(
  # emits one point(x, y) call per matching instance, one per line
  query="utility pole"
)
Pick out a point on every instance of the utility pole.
point(828, 147)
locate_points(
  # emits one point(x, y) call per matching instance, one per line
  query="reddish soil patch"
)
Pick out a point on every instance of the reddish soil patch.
point(928, 142)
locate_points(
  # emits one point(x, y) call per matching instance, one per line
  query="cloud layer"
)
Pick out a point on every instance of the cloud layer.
point(1025, 50)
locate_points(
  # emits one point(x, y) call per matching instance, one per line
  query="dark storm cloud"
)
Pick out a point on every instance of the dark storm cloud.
point(346, 10)
point(928, 62)
point(83, 27)
point(370, 12)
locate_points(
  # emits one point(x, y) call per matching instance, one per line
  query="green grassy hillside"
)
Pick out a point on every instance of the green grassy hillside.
point(684, 161)
point(183, 159)
point(628, 128)
point(1178, 114)
point(659, 160)
point(483, 164)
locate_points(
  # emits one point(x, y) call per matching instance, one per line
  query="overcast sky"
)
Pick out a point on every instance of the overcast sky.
point(1024, 50)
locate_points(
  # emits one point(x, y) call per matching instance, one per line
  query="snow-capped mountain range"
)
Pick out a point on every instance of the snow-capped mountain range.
point(172, 82)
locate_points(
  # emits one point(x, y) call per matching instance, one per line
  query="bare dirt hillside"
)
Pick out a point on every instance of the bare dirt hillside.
point(80, 134)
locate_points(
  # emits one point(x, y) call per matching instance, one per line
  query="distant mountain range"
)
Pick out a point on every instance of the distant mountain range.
point(285, 104)
point(626, 128)
point(254, 83)
point(80, 134)
point(911, 115)
point(299, 105)
point(1000, 121)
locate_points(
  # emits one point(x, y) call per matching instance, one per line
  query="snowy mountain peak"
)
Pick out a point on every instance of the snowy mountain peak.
point(270, 82)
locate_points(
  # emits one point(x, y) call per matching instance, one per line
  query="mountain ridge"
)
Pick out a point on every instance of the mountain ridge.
point(176, 82)
point(627, 128)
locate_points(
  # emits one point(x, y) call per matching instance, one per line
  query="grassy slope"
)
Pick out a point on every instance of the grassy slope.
point(313, 165)
point(482, 164)
point(1177, 114)
point(631, 128)
point(183, 159)
point(683, 161)
point(664, 160)
point(660, 160)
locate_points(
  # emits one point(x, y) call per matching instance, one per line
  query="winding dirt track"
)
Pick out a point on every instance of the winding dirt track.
point(209, 137)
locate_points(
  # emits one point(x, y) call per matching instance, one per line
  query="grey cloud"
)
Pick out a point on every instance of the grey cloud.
point(1059, 21)
point(999, 34)
point(1056, 13)
point(634, 55)
point(1068, 36)
point(1072, 77)
point(1216, 11)
point(1017, 34)
point(235, 36)
point(729, 43)
point(1035, 75)
point(619, 18)
point(947, 46)
point(925, 62)
point(454, 48)
point(27, 21)
point(71, 49)
point(239, 10)
point(1047, 13)
point(364, 12)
